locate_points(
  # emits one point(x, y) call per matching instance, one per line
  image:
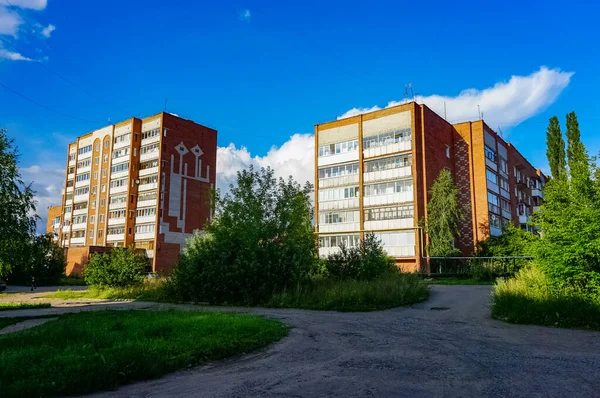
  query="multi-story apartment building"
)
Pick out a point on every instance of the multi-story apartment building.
point(141, 183)
point(374, 172)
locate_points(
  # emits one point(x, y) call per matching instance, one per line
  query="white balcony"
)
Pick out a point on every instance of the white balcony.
point(338, 158)
point(400, 251)
point(146, 203)
point(150, 140)
point(144, 235)
point(82, 198)
point(148, 187)
point(378, 225)
point(145, 219)
point(339, 227)
point(115, 237)
point(121, 189)
point(151, 170)
point(399, 197)
point(69, 189)
point(115, 206)
point(116, 221)
point(71, 176)
point(68, 202)
point(72, 162)
point(122, 144)
point(66, 228)
point(80, 226)
point(150, 253)
point(537, 192)
point(339, 204)
point(390, 174)
point(56, 225)
point(85, 169)
point(83, 156)
point(149, 156)
point(120, 174)
point(80, 184)
point(326, 251)
point(80, 211)
point(78, 241)
point(386, 149)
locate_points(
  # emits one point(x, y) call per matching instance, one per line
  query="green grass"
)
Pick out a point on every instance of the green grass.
point(93, 351)
point(529, 299)
point(459, 281)
point(4, 306)
point(4, 322)
point(152, 290)
point(392, 291)
point(71, 281)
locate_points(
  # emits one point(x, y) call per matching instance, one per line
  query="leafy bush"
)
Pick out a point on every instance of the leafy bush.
point(366, 262)
point(481, 272)
point(42, 258)
point(121, 267)
point(532, 298)
point(261, 241)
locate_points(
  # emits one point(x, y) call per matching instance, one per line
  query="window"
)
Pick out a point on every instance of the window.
point(387, 138)
point(56, 220)
point(120, 168)
point(389, 213)
point(144, 228)
point(67, 223)
point(503, 166)
point(82, 177)
point(338, 193)
point(97, 147)
point(146, 196)
point(150, 134)
point(117, 214)
point(134, 151)
point(119, 153)
point(80, 219)
point(447, 151)
point(393, 162)
point(122, 182)
point(105, 144)
point(154, 163)
point(94, 190)
point(149, 148)
point(336, 241)
point(105, 158)
point(387, 188)
point(338, 171)
point(102, 202)
point(69, 196)
point(495, 221)
point(104, 173)
point(92, 219)
point(71, 170)
point(340, 147)
point(71, 157)
point(99, 233)
point(145, 212)
point(147, 245)
point(116, 200)
point(494, 203)
point(80, 206)
point(116, 230)
point(69, 183)
point(67, 210)
point(95, 175)
point(491, 176)
point(82, 191)
point(505, 204)
point(84, 163)
point(122, 138)
point(85, 149)
point(91, 233)
point(93, 204)
point(129, 230)
point(504, 184)
point(78, 234)
point(101, 218)
point(490, 153)
point(338, 217)
point(103, 188)
point(149, 179)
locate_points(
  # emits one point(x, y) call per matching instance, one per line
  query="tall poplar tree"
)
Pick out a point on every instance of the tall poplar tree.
point(578, 160)
point(556, 149)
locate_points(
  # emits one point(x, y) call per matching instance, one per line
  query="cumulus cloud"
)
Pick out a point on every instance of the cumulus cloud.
point(47, 31)
point(245, 15)
point(47, 182)
point(507, 103)
point(295, 157)
point(13, 56)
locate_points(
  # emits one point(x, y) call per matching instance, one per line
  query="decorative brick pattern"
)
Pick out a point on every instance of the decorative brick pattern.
point(463, 181)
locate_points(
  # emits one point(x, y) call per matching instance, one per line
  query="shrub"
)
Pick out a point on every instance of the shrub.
point(120, 268)
point(261, 241)
point(42, 258)
point(366, 262)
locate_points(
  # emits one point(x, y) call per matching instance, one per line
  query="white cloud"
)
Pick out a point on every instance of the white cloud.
point(507, 103)
point(9, 21)
point(47, 182)
point(295, 157)
point(245, 15)
point(31, 4)
point(47, 31)
point(13, 56)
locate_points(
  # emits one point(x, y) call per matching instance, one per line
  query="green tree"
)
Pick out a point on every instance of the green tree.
point(555, 149)
point(578, 161)
point(17, 206)
point(43, 259)
point(261, 241)
point(444, 214)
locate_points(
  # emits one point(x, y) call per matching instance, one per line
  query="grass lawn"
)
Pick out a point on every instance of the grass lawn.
point(4, 322)
point(4, 306)
point(92, 351)
point(393, 291)
point(149, 291)
point(459, 281)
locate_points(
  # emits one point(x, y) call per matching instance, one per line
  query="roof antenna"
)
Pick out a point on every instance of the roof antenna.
point(479, 112)
point(445, 116)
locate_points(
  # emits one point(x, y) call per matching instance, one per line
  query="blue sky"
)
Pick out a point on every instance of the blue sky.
point(263, 73)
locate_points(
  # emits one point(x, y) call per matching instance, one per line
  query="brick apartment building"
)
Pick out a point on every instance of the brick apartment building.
point(374, 172)
point(141, 183)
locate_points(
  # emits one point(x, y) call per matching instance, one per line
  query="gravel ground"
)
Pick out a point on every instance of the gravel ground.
point(445, 347)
